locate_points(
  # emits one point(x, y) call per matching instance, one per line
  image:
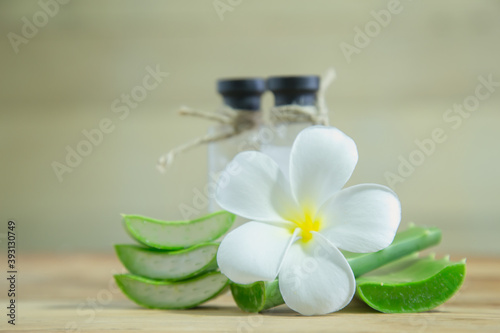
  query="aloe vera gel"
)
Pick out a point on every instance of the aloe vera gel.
point(168, 265)
point(168, 295)
point(175, 235)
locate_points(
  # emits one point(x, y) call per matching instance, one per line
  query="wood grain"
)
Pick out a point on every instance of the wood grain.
point(76, 293)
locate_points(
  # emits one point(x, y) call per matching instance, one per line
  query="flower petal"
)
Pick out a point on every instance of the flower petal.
point(253, 186)
point(321, 162)
point(253, 252)
point(362, 218)
point(315, 278)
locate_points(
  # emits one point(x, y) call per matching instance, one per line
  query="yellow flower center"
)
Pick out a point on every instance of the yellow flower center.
point(307, 224)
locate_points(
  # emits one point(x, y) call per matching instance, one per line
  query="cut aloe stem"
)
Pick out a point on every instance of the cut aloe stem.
point(168, 265)
point(172, 295)
point(175, 235)
point(261, 295)
point(425, 284)
point(258, 296)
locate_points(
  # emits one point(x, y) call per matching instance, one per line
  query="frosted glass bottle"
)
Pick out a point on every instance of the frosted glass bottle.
point(243, 95)
point(287, 90)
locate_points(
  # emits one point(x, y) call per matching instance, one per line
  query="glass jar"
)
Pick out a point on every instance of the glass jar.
point(242, 96)
point(279, 136)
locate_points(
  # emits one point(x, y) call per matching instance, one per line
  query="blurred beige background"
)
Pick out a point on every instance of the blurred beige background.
point(392, 91)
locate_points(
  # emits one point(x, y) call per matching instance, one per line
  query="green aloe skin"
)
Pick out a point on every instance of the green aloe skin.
point(261, 295)
point(176, 235)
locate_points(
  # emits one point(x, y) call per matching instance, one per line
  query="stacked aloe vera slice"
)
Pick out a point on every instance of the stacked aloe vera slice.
point(175, 267)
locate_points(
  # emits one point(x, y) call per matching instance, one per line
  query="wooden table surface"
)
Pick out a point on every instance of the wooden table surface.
point(76, 293)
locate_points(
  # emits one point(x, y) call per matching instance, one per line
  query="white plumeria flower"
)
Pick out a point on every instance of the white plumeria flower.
point(299, 225)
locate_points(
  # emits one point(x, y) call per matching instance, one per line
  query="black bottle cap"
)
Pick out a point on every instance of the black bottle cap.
point(242, 94)
point(299, 90)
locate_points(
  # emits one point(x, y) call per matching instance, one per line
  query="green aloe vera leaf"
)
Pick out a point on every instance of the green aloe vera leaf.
point(260, 296)
point(425, 284)
point(175, 235)
point(168, 265)
point(184, 294)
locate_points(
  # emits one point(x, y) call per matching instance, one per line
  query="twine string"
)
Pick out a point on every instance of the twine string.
point(238, 121)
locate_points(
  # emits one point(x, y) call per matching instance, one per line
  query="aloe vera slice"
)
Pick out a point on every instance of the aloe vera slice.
point(425, 284)
point(261, 295)
point(185, 294)
point(175, 235)
point(168, 265)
